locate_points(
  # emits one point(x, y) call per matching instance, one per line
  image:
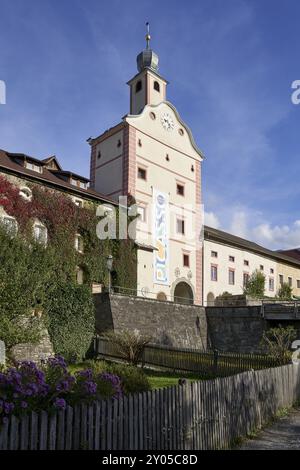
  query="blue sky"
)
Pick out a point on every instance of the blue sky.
point(230, 65)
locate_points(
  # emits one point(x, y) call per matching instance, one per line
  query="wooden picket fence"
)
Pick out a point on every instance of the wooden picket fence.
point(209, 414)
point(207, 364)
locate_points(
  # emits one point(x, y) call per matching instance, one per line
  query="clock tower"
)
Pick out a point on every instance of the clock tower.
point(151, 155)
point(147, 86)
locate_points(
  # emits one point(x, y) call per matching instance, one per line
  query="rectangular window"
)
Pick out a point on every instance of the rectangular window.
point(78, 202)
point(261, 267)
point(246, 262)
point(82, 185)
point(141, 210)
point(180, 189)
point(290, 281)
point(79, 243)
point(180, 226)
point(245, 279)
point(271, 284)
point(40, 234)
point(142, 173)
point(214, 254)
point(281, 279)
point(231, 259)
point(271, 271)
point(214, 272)
point(33, 167)
point(186, 261)
point(231, 277)
point(298, 283)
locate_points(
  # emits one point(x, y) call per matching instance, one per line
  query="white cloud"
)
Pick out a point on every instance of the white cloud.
point(239, 224)
point(251, 225)
point(278, 236)
point(211, 220)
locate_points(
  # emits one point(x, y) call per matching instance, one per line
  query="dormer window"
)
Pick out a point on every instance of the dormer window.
point(156, 86)
point(26, 193)
point(34, 167)
point(80, 184)
point(138, 86)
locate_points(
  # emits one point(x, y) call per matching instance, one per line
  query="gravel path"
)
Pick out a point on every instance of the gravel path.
point(283, 435)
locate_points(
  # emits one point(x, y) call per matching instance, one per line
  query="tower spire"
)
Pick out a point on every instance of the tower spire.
point(148, 37)
point(147, 58)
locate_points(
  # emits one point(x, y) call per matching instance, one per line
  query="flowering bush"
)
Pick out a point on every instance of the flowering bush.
point(27, 387)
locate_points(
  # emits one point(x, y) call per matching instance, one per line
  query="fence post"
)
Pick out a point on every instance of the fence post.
point(216, 356)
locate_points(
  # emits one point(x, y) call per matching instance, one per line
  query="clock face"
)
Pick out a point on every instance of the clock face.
point(167, 122)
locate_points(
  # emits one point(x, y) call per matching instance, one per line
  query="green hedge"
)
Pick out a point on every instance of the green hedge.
point(71, 320)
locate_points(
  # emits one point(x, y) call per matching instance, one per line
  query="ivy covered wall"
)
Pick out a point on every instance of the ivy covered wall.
point(42, 278)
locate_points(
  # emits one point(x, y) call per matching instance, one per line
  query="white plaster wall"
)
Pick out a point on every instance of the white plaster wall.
point(109, 177)
point(223, 263)
point(163, 175)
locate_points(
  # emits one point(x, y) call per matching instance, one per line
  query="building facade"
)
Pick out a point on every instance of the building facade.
point(229, 261)
point(24, 172)
point(151, 155)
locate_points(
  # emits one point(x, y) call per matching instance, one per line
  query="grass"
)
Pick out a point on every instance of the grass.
point(157, 378)
point(160, 379)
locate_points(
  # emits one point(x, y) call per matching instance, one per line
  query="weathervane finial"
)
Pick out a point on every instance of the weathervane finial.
point(148, 37)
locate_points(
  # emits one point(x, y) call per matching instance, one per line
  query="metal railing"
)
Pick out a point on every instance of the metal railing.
point(281, 308)
point(147, 294)
point(206, 363)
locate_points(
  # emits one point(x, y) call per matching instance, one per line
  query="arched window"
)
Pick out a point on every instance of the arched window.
point(26, 193)
point(138, 86)
point(10, 224)
point(156, 86)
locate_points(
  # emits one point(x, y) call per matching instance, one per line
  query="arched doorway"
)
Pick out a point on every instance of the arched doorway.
point(183, 293)
point(210, 299)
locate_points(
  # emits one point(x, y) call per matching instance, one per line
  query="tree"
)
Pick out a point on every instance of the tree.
point(255, 286)
point(285, 291)
point(129, 344)
point(277, 341)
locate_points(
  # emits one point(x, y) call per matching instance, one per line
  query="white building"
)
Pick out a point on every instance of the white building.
point(151, 155)
point(230, 260)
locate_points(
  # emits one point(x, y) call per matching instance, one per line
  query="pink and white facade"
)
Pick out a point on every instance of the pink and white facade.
point(151, 155)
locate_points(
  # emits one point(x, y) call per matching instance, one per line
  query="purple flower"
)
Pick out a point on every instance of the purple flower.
point(60, 403)
point(85, 374)
point(57, 361)
point(23, 404)
point(90, 387)
point(115, 382)
point(8, 407)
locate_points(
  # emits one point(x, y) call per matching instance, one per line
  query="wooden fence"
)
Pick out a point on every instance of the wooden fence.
point(207, 364)
point(201, 415)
